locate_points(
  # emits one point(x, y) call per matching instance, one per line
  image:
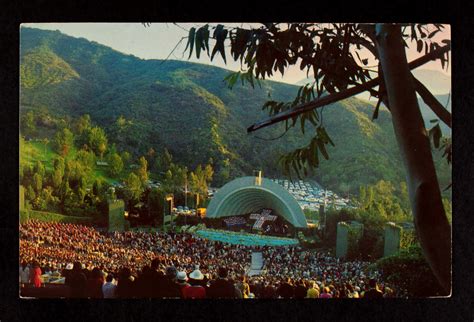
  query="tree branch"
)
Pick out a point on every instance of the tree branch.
point(326, 100)
point(432, 102)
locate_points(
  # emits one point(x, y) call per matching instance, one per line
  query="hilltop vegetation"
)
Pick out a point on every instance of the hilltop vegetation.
point(187, 109)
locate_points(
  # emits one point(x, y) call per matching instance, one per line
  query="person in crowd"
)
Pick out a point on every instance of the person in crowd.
point(243, 287)
point(373, 292)
point(36, 275)
point(144, 283)
point(269, 291)
point(313, 291)
point(109, 289)
point(182, 281)
point(221, 287)
point(356, 293)
point(286, 289)
point(125, 284)
point(300, 290)
point(59, 244)
point(94, 284)
point(24, 273)
point(77, 281)
point(388, 292)
point(169, 287)
point(326, 294)
point(196, 289)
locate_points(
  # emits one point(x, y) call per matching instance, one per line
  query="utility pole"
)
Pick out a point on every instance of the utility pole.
point(185, 198)
point(325, 205)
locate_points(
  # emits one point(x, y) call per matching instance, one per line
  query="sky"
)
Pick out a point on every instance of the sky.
point(158, 41)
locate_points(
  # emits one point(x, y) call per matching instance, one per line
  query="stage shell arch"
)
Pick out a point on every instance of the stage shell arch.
point(243, 195)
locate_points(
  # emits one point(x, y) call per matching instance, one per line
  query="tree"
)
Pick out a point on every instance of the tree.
point(83, 124)
point(151, 156)
point(97, 187)
point(125, 157)
point(142, 171)
point(39, 168)
point(199, 180)
point(338, 55)
point(97, 140)
point(134, 187)
point(163, 162)
point(50, 201)
point(63, 141)
point(27, 125)
point(115, 165)
point(86, 158)
point(30, 193)
point(38, 182)
point(58, 172)
point(175, 179)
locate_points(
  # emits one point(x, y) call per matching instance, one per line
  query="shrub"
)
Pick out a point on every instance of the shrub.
point(409, 270)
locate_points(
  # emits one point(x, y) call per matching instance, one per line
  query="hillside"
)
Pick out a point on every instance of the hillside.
point(188, 109)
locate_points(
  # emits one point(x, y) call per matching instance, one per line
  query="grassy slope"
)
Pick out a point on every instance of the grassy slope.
point(33, 151)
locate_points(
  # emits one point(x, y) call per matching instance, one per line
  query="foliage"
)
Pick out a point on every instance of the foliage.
point(134, 187)
point(115, 164)
point(200, 179)
point(44, 67)
point(63, 141)
point(186, 110)
point(53, 217)
point(27, 124)
point(331, 51)
point(311, 214)
point(409, 270)
point(83, 124)
point(142, 171)
point(407, 238)
point(97, 140)
point(333, 217)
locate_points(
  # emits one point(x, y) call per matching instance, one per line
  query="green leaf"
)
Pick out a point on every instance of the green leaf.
point(421, 30)
point(198, 41)
point(419, 45)
point(313, 154)
point(322, 148)
point(205, 37)
point(220, 35)
point(433, 33)
point(302, 119)
point(231, 79)
point(190, 43)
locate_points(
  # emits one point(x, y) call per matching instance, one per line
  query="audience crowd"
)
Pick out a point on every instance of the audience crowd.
point(98, 264)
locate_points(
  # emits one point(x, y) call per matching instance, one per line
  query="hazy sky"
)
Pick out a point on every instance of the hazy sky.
point(158, 41)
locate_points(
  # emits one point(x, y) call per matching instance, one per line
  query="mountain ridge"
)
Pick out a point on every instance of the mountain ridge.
point(188, 109)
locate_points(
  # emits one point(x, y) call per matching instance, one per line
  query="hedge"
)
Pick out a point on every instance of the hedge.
point(53, 217)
